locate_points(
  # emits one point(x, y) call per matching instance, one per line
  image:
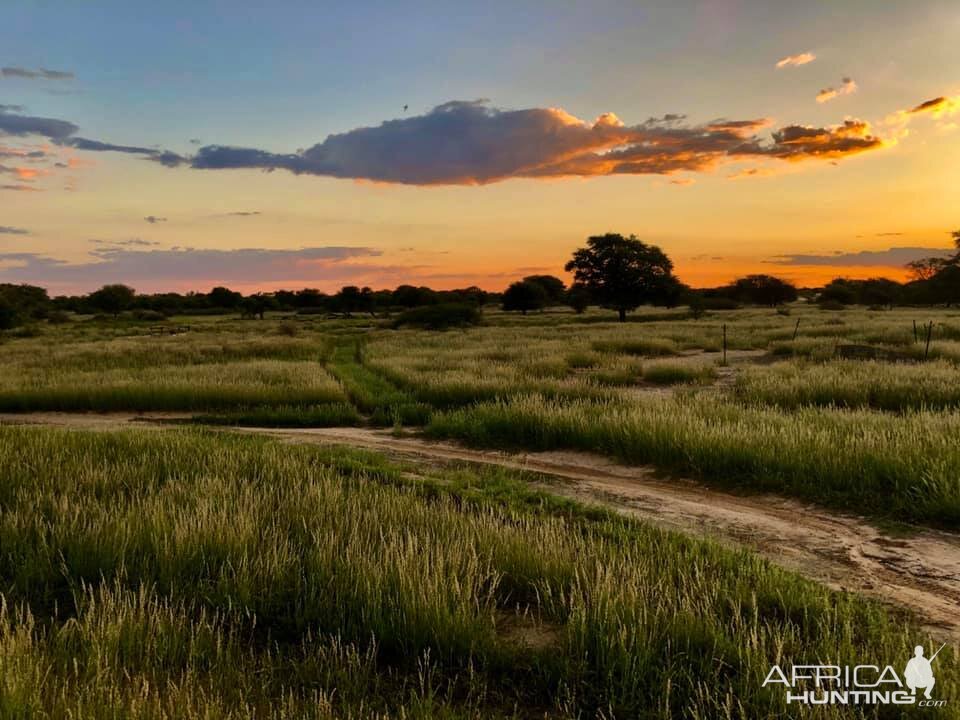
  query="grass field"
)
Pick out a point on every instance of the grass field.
point(872, 436)
point(190, 574)
point(194, 573)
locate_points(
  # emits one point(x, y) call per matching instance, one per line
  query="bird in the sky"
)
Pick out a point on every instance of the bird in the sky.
point(405, 107)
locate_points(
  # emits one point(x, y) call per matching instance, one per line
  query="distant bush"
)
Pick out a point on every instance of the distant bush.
point(288, 329)
point(834, 305)
point(439, 317)
point(783, 311)
point(720, 303)
point(58, 317)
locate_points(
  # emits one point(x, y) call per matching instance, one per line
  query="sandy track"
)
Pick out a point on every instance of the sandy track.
point(918, 570)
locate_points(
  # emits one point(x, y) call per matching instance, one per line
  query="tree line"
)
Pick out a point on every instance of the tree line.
point(611, 271)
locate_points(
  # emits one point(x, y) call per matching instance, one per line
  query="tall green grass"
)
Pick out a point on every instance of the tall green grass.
point(207, 386)
point(852, 384)
point(183, 574)
point(906, 466)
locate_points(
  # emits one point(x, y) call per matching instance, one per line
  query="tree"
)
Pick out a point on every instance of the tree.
point(352, 299)
point(29, 302)
point(553, 287)
point(222, 297)
point(925, 268)
point(9, 317)
point(623, 273)
point(764, 290)
point(578, 297)
point(945, 285)
point(524, 296)
point(880, 291)
point(112, 299)
point(311, 298)
point(928, 268)
point(840, 291)
point(409, 296)
point(257, 305)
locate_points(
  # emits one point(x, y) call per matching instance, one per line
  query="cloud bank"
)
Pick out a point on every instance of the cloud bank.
point(8, 230)
point(472, 143)
point(892, 257)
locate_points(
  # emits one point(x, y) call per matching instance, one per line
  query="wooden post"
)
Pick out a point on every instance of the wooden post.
point(916, 338)
point(796, 329)
point(724, 343)
point(926, 354)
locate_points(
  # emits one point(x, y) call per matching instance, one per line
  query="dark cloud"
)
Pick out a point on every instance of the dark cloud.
point(12, 108)
point(889, 234)
point(22, 125)
point(63, 133)
point(19, 188)
point(934, 105)
point(244, 213)
point(124, 261)
point(8, 230)
point(164, 157)
point(153, 219)
point(39, 74)
point(893, 257)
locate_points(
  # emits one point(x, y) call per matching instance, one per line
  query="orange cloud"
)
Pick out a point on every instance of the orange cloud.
point(847, 88)
point(800, 142)
point(796, 60)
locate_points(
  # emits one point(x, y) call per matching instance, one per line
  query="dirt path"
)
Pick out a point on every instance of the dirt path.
point(917, 570)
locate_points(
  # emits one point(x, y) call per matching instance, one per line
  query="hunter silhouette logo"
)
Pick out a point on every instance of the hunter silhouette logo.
point(859, 684)
point(919, 673)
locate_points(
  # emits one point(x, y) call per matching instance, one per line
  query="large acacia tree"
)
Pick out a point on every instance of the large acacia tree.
point(623, 273)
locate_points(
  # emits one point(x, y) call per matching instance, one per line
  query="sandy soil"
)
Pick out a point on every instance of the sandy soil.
point(918, 569)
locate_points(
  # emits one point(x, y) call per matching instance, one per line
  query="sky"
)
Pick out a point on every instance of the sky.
point(183, 145)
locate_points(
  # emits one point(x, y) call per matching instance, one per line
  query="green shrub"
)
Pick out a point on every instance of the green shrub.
point(439, 317)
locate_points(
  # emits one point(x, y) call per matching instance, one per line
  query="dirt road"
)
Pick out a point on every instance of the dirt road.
point(918, 570)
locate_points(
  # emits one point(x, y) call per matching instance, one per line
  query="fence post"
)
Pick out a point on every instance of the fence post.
point(916, 338)
point(724, 343)
point(796, 329)
point(926, 354)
